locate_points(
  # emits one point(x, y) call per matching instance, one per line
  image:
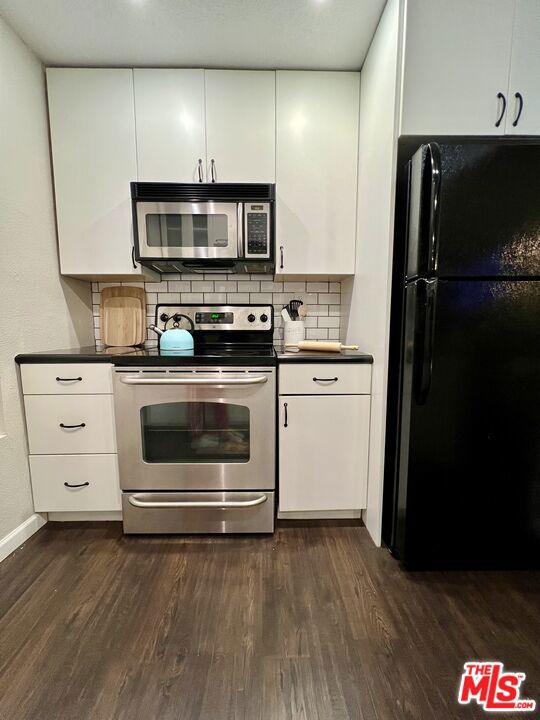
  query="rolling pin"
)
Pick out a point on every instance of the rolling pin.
point(321, 345)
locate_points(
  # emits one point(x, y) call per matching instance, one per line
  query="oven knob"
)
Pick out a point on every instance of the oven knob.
point(251, 317)
point(264, 317)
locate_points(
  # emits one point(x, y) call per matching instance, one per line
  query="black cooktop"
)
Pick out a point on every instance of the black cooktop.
point(241, 354)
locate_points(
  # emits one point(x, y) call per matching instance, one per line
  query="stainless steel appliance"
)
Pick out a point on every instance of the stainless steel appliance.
point(203, 227)
point(196, 431)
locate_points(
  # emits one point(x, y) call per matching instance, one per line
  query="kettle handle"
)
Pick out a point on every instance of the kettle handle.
point(176, 317)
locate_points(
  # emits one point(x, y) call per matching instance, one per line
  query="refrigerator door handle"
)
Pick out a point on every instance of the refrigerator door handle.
point(425, 368)
point(434, 158)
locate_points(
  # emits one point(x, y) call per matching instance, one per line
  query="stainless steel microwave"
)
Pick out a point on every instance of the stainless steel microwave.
point(214, 227)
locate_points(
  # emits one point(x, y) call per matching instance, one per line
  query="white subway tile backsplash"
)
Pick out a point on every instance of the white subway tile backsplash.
point(271, 286)
point(316, 334)
point(260, 298)
point(238, 297)
point(168, 297)
point(215, 298)
point(328, 322)
point(322, 299)
point(226, 286)
point(329, 298)
point(179, 286)
point(192, 298)
point(249, 286)
point(317, 287)
point(202, 286)
point(295, 287)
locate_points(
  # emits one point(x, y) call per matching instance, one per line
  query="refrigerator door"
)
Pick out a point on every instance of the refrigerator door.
point(474, 211)
point(469, 461)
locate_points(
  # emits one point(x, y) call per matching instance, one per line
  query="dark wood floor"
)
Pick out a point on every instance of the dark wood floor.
point(314, 623)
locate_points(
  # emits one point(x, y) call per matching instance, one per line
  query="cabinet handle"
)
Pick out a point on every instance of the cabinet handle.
point(133, 258)
point(69, 427)
point(286, 423)
point(213, 170)
point(84, 484)
point(500, 96)
point(281, 257)
point(316, 379)
point(77, 379)
point(199, 170)
point(518, 97)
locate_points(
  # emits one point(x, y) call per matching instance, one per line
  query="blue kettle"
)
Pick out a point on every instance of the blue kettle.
point(175, 340)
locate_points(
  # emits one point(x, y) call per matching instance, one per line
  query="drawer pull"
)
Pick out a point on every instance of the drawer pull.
point(334, 379)
point(77, 379)
point(84, 484)
point(69, 427)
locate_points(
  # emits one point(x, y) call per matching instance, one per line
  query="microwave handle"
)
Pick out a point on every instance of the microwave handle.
point(240, 226)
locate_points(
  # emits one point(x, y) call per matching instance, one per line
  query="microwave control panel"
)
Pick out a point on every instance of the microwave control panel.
point(257, 230)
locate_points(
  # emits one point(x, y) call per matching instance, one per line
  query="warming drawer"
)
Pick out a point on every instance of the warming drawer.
point(208, 512)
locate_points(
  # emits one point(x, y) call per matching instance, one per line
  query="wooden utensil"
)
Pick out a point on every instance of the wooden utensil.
point(123, 312)
point(321, 345)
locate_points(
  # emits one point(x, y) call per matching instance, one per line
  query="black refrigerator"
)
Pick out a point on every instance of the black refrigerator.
point(462, 464)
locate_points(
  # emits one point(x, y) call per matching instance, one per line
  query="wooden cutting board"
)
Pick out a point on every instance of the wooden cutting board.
point(123, 313)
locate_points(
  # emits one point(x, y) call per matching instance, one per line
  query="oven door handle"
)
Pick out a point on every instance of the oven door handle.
point(132, 380)
point(133, 500)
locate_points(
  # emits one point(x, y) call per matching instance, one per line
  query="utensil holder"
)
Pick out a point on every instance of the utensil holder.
point(294, 331)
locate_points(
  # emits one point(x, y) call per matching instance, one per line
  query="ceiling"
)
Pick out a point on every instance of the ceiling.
point(300, 34)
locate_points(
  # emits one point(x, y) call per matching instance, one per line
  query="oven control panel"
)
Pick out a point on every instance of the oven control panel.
point(257, 230)
point(217, 317)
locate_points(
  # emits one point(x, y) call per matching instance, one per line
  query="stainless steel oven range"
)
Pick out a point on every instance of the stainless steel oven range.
point(196, 433)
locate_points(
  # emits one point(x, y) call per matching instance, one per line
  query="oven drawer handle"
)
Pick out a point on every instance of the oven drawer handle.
point(197, 503)
point(257, 380)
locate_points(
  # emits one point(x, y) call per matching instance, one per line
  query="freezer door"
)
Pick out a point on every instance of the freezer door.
point(469, 474)
point(474, 211)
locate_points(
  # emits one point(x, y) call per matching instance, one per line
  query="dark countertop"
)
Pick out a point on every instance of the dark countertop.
point(132, 357)
point(151, 356)
point(315, 356)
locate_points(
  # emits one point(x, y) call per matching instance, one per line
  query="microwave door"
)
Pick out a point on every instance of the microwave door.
point(181, 230)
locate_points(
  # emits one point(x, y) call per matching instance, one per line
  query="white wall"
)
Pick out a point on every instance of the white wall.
point(39, 311)
point(366, 298)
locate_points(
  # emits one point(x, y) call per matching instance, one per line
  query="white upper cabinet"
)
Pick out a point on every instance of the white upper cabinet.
point(316, 171)
point(524, 88)
point(170, 118)
point(240, 125)
point(94, 160)
point(455, 63)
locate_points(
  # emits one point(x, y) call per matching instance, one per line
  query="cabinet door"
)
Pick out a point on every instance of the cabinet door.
point(169, 112)
point(525, 71)
point(240, 125)
point(94, 160)
point(316, 171)
point(323, 452)
point(456, 60)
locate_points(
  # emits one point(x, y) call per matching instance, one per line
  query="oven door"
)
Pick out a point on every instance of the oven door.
point(193, 429)
point(191, 230)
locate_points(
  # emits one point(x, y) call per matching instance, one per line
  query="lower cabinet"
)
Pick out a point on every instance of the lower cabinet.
point(323, 446)
point(72, 483)
point(71, 437)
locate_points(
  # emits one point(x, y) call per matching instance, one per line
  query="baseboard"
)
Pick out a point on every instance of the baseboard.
point(321, 515)
point(85, 516)
point(20, 535)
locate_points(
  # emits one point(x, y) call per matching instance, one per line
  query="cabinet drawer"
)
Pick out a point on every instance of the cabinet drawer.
point(66, 378)
point(45, 415)
point(325, 379)
point(97, 476)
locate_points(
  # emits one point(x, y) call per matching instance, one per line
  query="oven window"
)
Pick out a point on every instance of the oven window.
point(187, 230)
point(195, 432)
